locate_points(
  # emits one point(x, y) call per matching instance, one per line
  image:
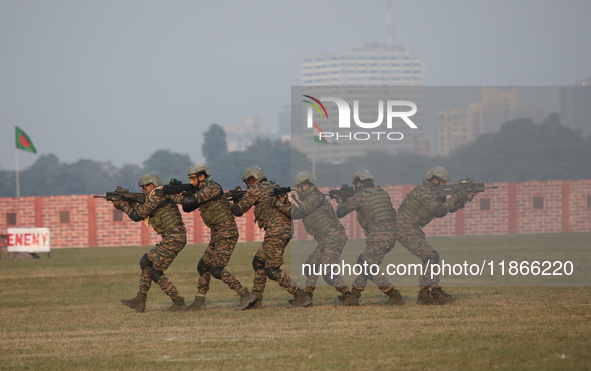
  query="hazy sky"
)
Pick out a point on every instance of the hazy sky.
point(116, 80)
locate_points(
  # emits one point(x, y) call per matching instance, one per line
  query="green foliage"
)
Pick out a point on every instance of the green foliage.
point(401, 168)
point(48, 176)
point(523, 151)
point(520, 151)
point(274, 157)
point(168, 165)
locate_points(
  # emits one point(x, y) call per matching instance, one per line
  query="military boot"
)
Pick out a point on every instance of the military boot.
point(424, 297)
point(351, 299)
point(301, 299)
point(440, 297)
point(257, 304)
point(311, 294)
point(341, 298)
point(178, 305)
point(198, 304)
point(395, 298)
point(138, 303)
point(246, 299)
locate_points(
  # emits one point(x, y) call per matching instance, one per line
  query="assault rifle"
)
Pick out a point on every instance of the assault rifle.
point(463, 185)
point(281, 191)
point(176, 187)
point(123, 194)
point(235, 194)
point(344, 193)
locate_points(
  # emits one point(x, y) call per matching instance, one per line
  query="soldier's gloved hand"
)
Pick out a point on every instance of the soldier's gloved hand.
point(235, 210)
point(190, 203)
point(460, 195)
point(118, 204)
point(470, 196)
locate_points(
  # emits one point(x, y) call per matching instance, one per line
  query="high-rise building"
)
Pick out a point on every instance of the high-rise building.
point(370, 73)
point(250, 127)
point(367, 64)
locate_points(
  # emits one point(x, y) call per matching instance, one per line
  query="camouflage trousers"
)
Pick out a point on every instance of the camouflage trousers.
point(214, 262)
point(267, 263)
point(414, 240)
point(329, 249)
point(161, 257)
point(376, 247)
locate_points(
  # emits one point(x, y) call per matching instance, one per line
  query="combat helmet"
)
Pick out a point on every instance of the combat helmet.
point(439, 172)
point(254, 172)
point(304, 176)
point(150, 179)
point(362, 175)
point(198, 168)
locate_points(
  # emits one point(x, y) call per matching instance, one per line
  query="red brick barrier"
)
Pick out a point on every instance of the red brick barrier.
point(512, 208)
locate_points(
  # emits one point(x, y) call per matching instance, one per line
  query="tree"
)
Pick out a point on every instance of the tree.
point(523, 151)
point(274, 157)
point(167, 165)
point(127, 177)
point(214, 143)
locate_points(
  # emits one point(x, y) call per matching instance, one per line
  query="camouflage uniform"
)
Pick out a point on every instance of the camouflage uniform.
point(417, 209)
point(216, 214)
point(164, 216)
point(277, 225)
point(376, 216)
point(320, 221)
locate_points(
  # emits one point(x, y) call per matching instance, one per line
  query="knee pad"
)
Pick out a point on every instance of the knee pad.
point(145, 262)
point(328, 280)
point(273, 273)
point(202, 267)
point(433, 258)
point(155, 274)
point(258, 263)
point(216, 272)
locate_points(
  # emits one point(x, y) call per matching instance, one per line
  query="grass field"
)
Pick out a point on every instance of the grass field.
point(64, 313)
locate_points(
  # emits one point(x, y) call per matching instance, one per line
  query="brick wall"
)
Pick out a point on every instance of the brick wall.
point(513, 208)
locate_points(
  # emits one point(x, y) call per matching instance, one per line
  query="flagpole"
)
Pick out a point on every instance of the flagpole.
point(314, 157)
point(18, 188)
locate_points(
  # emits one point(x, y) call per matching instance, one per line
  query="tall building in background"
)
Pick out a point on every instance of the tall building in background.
point(575, 106)
point(365, 65)
point(250, 127)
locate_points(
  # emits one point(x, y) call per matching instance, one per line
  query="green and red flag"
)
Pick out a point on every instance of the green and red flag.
point(23, 141)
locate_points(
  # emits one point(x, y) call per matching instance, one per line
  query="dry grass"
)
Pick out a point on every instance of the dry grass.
point(63, 313)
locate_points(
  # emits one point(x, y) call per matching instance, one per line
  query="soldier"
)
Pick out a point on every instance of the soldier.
point(376, 216)
point(216, 214)
point(164, 216)
point(321, 222)
point(417, 209)
point(277, 225)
